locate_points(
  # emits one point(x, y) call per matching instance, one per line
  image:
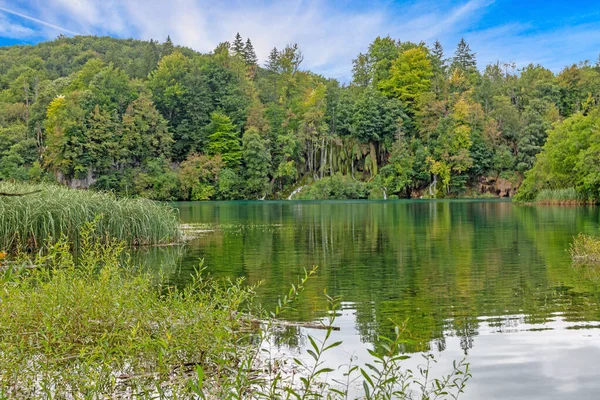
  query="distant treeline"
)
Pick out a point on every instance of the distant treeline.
point(166, 122)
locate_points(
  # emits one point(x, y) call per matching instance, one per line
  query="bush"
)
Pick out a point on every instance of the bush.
point(336, 187)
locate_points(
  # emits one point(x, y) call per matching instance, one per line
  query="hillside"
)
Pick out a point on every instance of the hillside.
point(166, 122)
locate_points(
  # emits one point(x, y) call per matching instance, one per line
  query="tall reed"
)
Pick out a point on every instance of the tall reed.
point(27, 221)
point(568, 196)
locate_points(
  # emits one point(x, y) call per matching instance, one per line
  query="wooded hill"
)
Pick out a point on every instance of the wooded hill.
point(166, 122)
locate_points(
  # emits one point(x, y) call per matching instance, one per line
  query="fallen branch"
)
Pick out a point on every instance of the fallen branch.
point(307, 325)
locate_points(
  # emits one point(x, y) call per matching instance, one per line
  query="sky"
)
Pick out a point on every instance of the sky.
point(330, 33)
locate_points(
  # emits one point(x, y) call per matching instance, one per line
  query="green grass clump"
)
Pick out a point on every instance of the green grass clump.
point(585, 250)
point(100, 327)
point(27, 221)
point(568, 196)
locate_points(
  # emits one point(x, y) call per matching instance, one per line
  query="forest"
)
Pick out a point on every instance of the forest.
point(153, 119)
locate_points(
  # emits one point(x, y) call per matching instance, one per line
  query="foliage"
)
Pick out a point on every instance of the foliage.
point(125, 115)
point(336, 187)
point(256, 160)
point(570, 158)
point(224, 140)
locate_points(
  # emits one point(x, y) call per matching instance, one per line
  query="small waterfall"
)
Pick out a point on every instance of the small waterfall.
point(295, 192)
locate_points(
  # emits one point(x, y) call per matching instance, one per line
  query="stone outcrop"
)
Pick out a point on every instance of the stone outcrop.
point(498, 186)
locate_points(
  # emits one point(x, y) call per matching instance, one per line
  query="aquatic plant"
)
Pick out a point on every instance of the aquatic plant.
point(53, 210)
point(585, 250)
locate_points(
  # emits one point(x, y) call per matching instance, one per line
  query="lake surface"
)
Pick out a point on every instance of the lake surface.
point(486, 279)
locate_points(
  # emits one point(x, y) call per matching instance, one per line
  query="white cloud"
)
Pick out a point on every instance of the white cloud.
point(18, 29)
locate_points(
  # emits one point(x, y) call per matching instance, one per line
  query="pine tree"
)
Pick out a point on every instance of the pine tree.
point(238, 45)
point(272, 63)
point(438, 52)
point(273, 67)
point(250, 54)
point(167, 47)
point(464, 58)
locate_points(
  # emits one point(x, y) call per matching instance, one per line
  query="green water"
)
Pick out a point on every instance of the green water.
point(488, 279)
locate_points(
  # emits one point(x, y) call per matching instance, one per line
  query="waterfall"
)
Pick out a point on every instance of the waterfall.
point(295, 192)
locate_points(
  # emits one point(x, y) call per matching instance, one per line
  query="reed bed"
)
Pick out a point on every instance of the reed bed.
point(27, 221)
point(568, 196)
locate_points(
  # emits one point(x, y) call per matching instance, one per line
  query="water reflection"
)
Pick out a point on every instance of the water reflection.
point(438, 265)
point(488, 279)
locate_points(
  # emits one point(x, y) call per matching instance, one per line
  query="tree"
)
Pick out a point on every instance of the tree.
point(398, 174)
point(111, 90)
point(65, 136)
point(198, 176)
point(250, 54)
point(238, 46)
point(167, 47)
point(569, 159)
point(167, 84)
point(438, 67)
point(362, 70)
point(409, 77)
point(145, 134)
point(382, 52)
point(464, 58)
point(224, 140)
point(256, 161)
point(290, 58)
point(438, 53)
point(273, 67)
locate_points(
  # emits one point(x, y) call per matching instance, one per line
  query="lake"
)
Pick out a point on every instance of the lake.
point(488, 280)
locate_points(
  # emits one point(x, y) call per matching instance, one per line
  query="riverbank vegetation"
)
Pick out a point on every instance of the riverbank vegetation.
point(100, 327)
point(165, 122)
point(52, 211)
point(568, 168)
point(568, 196)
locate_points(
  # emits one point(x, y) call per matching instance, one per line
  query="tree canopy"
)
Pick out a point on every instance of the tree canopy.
point(163, 121)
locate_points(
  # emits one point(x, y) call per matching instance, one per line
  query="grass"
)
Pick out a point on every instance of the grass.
point(567, 196)
point(585, 250)
point(101, 328)
point(27, 221)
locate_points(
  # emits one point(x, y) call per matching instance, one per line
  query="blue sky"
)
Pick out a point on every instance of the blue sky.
point(330, 33)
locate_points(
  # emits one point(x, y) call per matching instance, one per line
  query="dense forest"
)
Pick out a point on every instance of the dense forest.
point(165, 122)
